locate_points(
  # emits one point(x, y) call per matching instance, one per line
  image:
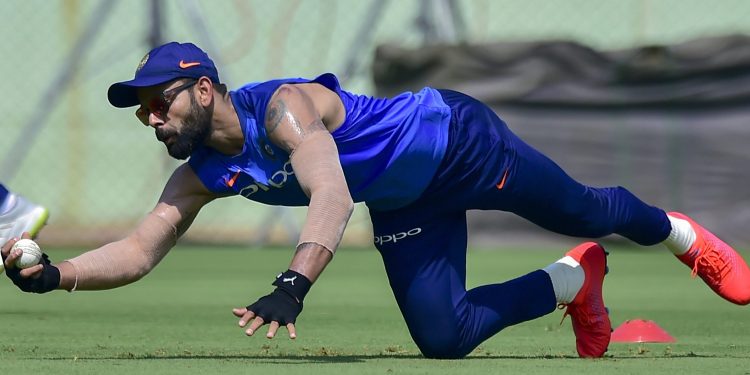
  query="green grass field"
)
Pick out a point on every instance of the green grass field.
point(178, 320)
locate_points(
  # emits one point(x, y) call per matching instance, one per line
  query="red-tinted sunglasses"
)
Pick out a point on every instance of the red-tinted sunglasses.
point(159, 105)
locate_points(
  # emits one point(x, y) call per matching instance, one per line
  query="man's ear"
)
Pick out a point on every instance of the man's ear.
point(205, 94)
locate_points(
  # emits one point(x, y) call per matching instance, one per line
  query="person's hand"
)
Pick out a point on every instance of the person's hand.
point(276, 309)
point(41, 278)
point(280, 308)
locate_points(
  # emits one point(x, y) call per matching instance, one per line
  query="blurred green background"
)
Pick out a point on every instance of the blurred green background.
point(99, 171)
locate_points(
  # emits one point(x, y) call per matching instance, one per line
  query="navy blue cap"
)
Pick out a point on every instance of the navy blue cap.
point(163, 64)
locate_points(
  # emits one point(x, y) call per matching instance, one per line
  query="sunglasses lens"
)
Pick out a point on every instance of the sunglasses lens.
point(158, 106)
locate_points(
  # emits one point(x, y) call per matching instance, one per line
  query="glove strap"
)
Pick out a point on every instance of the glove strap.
point(294, 283)
point(48, 281)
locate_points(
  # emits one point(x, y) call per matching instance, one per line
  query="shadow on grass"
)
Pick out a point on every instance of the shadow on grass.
point(347, 358)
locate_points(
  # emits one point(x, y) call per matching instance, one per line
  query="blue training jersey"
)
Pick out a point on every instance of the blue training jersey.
point(389, 148)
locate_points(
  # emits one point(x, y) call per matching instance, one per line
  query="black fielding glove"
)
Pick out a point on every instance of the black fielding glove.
point(48, 281)
point(284, 304)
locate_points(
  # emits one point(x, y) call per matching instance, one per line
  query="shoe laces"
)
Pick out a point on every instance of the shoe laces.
point(561, 306)
point(582, 316)
point(713, 265)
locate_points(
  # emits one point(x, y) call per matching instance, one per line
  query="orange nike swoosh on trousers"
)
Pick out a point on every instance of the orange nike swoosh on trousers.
point(232, 180)
point(185, 65)
point(502, 182)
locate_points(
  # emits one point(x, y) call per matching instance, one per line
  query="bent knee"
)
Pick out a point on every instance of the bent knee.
point(441, 347)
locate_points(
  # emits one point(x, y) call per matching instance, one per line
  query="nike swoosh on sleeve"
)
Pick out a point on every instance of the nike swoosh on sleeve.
point(230, 182)
point(502, 182)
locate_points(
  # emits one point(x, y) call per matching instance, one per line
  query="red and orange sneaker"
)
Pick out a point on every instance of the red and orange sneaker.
point(590, 318)
point(717, 263)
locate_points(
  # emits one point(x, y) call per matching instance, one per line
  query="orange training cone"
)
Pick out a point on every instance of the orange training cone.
point(639, 330)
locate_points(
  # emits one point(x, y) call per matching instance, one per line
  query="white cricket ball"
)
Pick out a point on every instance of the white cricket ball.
point(31, 256)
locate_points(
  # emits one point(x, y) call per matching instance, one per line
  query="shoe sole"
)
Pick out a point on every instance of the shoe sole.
point(39, 222)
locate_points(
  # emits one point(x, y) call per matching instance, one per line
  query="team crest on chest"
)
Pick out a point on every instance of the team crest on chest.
point(267, 149)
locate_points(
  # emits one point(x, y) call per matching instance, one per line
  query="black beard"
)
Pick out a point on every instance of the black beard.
point(194, 131)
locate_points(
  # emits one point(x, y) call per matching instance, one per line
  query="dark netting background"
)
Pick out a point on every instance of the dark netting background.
point(671, 123)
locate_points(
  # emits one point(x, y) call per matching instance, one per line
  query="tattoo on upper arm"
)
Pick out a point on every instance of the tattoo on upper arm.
point(283, 126)
point(275, 115)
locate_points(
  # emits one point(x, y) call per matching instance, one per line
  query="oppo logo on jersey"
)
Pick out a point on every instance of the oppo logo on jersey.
point(395, 237)
point(277, 180)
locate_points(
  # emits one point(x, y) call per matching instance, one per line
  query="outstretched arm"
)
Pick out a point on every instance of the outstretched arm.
point(127, 260)
point(299, 119)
